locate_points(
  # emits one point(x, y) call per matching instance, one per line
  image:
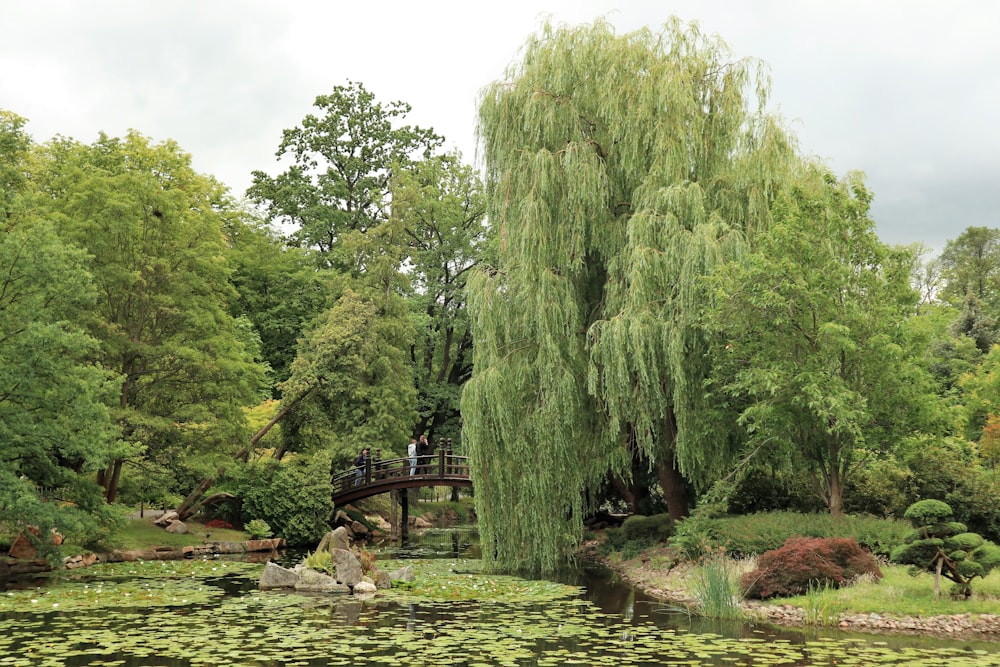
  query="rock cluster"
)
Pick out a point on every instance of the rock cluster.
point(346, 578)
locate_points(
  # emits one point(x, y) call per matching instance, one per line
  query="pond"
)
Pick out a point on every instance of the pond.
point(211, 613)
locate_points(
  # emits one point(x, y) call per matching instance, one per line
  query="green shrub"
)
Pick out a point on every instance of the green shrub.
point(804, 562)
point(292, 497)
point(757, 533)
point(657, 527)
point(258, 529)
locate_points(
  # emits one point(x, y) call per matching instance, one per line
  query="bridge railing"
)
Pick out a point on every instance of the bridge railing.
point(440, 466)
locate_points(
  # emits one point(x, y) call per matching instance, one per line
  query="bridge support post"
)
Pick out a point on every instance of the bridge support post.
point(404, 522)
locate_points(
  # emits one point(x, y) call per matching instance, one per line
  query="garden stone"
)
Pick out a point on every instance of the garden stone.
point(177, 527)
point(318, 582)
point(275, 576)
point(347, 565)
point(364, 588)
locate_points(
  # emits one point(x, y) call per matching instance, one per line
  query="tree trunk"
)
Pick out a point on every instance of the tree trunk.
point(674, 489)
point(190, 504)
point(111, 490)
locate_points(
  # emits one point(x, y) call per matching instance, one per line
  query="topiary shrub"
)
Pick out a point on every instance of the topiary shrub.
point(945, 548)
point(803, 562)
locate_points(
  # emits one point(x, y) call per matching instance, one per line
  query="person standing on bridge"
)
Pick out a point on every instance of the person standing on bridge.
point(360, 464)
point(411, 453)
point(423, 449)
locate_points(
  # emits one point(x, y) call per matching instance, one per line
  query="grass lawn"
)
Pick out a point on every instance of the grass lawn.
point(901, 594)
point(142, 534)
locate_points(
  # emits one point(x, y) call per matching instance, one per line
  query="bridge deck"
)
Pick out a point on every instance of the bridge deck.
point(381, 476)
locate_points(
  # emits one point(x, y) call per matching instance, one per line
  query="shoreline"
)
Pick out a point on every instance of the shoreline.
point(656, 584)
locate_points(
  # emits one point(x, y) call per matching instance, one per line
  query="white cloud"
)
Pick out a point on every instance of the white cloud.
point(904, 90)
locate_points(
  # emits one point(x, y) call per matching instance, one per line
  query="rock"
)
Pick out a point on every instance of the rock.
point(364, 588)
point(24, 549)
point(341, 518)
point(420, 522)
point(379, 523)
point(381, 579)
point(318, 582)
point(340, 539)
point(177, 527)
point(269, 544)
point(404, 573)
point(166, 518)
point(359, 529)
point(275, 576)
point(347, 565)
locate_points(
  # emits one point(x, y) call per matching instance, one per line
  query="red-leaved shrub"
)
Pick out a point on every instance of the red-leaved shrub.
point(218, 523)
point(801, 561)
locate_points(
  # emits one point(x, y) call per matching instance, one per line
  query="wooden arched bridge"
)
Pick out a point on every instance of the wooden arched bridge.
point(380, 476)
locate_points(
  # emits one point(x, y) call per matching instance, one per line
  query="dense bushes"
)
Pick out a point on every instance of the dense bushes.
point(637, 533)
point(804, 562)
point(293, 498)
point(756, 533)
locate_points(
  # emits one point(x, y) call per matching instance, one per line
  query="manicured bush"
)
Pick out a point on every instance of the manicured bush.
point(945, 547)
point(754, 534)
point(803, 562)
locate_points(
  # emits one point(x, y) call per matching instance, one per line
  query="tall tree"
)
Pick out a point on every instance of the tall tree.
point(812, 335)
point(440, 208)
point(342, 162)
point(153, 231)
point(971, 265)
point(55, 424)
point(619, 170)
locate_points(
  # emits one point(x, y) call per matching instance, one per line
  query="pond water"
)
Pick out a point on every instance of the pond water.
point(211, 613)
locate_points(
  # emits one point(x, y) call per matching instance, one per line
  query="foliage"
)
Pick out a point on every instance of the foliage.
point(56, 425)
point(351, 368)
point(971, 267)
point(945, 547)
point(810, 339)
point(438, 206)
point(342, 162)
point(292, 497)
point(277, 287)
point(258, 529)
point(658, 527)
point(803, 562)
point(608, 211)
point(152, 230)
point(947, 469)
point(754, 534)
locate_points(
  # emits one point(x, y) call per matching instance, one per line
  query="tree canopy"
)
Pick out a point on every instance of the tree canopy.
point(619, 169)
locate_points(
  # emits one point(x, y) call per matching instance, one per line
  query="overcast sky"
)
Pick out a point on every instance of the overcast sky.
point(907, 91)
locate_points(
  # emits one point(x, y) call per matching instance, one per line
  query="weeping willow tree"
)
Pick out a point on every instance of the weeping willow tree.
point(620, 169)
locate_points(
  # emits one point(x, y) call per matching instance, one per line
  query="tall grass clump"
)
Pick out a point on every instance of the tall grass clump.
point(716, 586)
point(820, 607)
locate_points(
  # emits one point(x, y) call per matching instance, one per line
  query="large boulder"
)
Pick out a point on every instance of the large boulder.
point(318, 582)
point(166, 518)
point(359, 529)
point(338, 538)
point(381, 579)
point(275, 576)
point(177, 527)
point(348, 567)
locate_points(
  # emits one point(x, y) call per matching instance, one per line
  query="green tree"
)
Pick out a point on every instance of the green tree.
point(811, 337)
point(342, 162)
point(153, 231)
point(945, 548)
point(55, 424)
point(971, 265)
point(440, 208)
point(352, 382)
point(278, 288)
point(619, 169)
